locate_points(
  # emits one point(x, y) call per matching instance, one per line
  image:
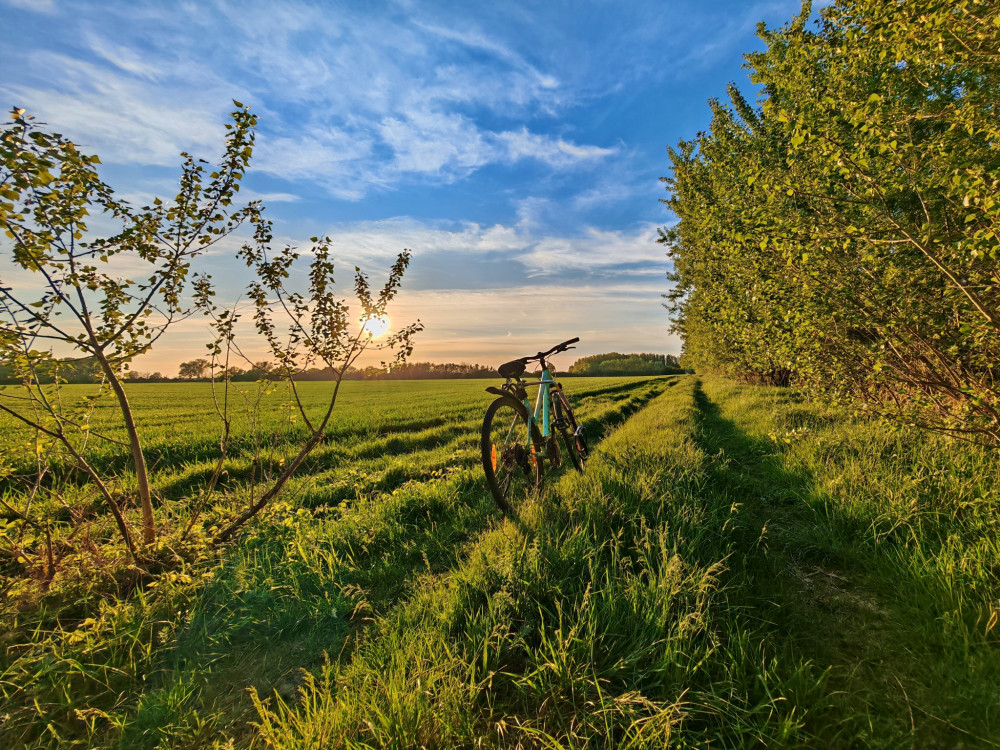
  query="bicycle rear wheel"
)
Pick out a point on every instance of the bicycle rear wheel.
point(572, 434)
point(511, 446)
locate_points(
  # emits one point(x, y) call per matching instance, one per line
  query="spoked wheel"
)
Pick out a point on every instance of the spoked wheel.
point(509, 439)
point(572, 433)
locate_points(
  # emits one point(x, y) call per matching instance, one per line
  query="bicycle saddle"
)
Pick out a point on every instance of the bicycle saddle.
point(512, 369)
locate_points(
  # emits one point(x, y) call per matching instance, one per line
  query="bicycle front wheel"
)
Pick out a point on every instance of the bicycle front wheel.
point(511, 448)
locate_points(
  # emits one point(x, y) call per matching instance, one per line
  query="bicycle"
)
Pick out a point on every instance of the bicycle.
point(517, 438)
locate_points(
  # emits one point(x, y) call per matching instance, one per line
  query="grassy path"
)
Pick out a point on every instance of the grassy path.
point(861, 574)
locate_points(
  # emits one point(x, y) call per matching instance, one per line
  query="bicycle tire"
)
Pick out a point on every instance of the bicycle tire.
point(573, 439)
point(513, 471)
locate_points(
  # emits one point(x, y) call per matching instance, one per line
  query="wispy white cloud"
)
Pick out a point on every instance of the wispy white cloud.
point(476, 40)
point(122, 57)
point(540, 253)
point(268, 198)
point(555, 152)
point(614, 186)
point(120, 116)
point(451, 146)
point(375, 242)
point(365, 119)
point(597, 251)
point(432, 142)
point(328, 156)
point(39, 6)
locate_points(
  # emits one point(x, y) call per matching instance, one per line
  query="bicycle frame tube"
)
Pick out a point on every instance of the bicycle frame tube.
point(542, 402)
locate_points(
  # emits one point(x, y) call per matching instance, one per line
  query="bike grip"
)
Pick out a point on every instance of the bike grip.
point(567, 343)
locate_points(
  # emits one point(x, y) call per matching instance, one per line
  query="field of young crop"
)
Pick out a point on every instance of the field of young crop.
point(382, 435)
point(736, 567)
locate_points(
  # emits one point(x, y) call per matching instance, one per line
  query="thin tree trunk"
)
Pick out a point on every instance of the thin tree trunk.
point(275, 490)
point(138, 457)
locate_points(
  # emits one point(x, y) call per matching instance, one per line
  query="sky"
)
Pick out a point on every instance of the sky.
point(514, 147)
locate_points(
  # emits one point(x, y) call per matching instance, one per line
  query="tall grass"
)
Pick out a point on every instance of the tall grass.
point(166, 659)
point(711, 581)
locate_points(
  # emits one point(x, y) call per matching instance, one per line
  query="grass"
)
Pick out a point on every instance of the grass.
point(736, 568)
point(378, 503)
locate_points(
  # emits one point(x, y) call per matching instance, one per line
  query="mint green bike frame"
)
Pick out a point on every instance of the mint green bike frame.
point(540, 414)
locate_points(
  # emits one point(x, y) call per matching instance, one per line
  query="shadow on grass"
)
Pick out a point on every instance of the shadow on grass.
point(796, 566)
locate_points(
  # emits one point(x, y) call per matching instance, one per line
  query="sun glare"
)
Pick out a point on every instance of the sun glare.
point(375, 325)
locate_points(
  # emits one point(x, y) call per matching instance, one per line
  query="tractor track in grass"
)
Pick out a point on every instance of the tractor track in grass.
point(398, 629)
point(812, 572)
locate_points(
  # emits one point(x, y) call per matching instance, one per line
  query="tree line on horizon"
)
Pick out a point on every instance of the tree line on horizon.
point(843, 234)
point(86, 370)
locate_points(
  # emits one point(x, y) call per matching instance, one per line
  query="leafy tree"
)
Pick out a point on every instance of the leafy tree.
point(88, 299)
point(845, 231)
point(194, 369)
point(613, 363)
point(80, 298)
point(313, 327)
point(135, 376)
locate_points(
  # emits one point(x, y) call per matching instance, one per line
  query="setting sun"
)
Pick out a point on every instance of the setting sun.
point(375, 325)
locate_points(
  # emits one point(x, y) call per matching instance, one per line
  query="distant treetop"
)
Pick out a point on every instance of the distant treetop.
point(614, 363)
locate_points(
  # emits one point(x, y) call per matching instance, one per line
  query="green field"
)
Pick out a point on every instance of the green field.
point(736, 568)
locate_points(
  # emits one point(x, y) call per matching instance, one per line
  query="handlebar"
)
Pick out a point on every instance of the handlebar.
point(554, 350)
point(515, 368)
point(557, 348)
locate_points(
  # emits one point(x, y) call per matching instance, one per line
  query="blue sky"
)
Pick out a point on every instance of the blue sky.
point(515, 147)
